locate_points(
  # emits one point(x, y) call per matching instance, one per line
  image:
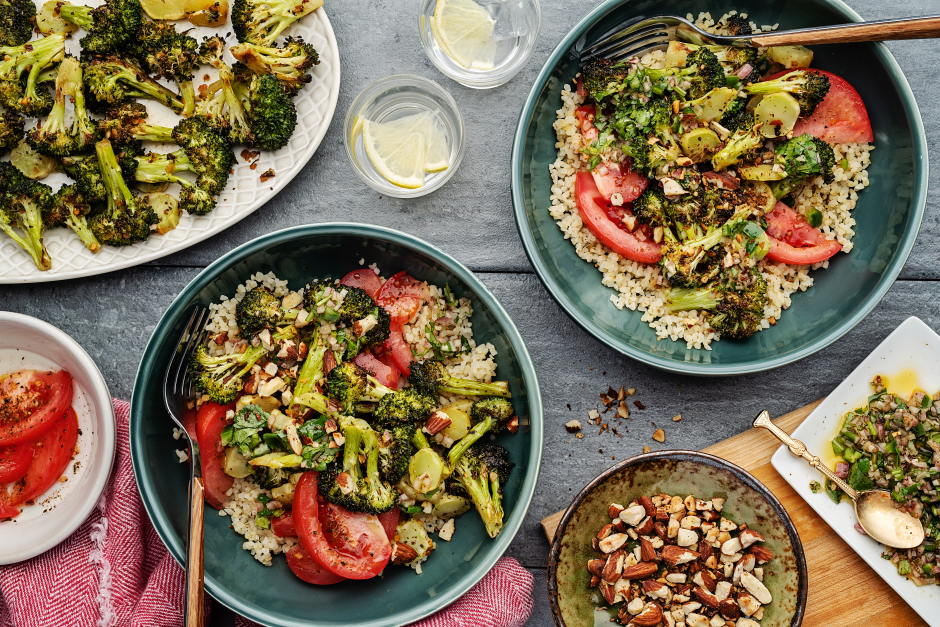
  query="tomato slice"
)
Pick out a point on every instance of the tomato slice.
point(14, 462)
point(611, 179)
point(593, 210)
point(364, 279)
point(8, 511)
point(210, 420)
point(840, 118)
point(189, 422)
point(388, 375)
point(348, 544)
point(585, 117)
point(581, 90)
point(397, 350)
point(283, 526)
point(306, 568)
point(53, 451)
point(389, 521)
point(402, 295)
point(31, 402)
point(794, 241)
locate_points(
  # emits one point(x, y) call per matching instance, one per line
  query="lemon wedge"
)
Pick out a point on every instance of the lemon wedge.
point(403, 150)
point(464, 30)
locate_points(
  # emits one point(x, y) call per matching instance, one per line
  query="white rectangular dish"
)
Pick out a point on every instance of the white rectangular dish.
point(910, 359)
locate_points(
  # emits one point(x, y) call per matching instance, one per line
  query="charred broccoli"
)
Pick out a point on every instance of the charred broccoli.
point(126, 220)
point(431, 378)
point(12, 130)
point(289, 63)
point(350, 384)
point(395, 452)
point(803, 157)
point(602, 77)
point(736, 116)
point(258, 309)
point(125, 125)
point(405, 407)
point(22, 204)
point(650, 207)
point(86, 172)
point(210, 155)
point(20, 69)
point(482, 472)
point(54, 137)
point(736, 302)
point(110, 26)
point(691, 263)
point(16, 17)
point(169, 54)
point(68, 207)
point(367, 323)
point(356, 485)
point(809, 88)
point(261, 21)
point(154, 168)
point(112, 81)
point(488, 415)
point(744, 141)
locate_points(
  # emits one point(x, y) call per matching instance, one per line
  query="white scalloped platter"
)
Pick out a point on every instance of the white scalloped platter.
point(244, 193)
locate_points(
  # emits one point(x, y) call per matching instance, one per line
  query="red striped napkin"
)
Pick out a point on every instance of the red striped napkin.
point(115, 572)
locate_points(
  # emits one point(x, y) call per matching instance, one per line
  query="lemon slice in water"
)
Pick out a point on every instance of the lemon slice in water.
point(397, 153)
point(464, 30)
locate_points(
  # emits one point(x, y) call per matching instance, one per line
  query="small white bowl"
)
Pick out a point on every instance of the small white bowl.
point(28, 343)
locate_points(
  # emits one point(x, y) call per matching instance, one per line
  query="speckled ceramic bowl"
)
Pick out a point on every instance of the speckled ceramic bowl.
point(888, 213)
point(575, 604)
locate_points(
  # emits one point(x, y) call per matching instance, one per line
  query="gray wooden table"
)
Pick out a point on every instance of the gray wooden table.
point(113, 315)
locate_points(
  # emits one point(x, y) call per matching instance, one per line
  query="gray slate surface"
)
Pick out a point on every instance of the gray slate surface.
point(378, 38)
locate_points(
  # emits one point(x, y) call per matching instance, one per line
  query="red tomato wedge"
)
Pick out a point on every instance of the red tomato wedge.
point(593, 209)
point(14, 462)
point(585, 116)
point(794, 241)
point(365, 279)
point(307, 568)
point(283, 526)
point(189, 422)
point(53, 451)
point(841, 117)
point(8, 511)
point(386, 359)
point(348, 544)
point(610, 180)
point(210, 420)
point(388, 375)
point(389, 521)
point(31, 402)
point(397, 350)
point(402, 295)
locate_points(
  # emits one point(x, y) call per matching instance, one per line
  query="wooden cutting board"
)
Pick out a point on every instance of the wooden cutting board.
point(843, 590)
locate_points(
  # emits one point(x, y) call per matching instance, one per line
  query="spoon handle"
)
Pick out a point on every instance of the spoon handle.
point(799, 449)
point(882, 30)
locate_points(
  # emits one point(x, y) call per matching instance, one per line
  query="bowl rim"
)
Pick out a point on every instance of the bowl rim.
point(513, 524)
point(906, 243)
point(105, 440)
point(681, 455)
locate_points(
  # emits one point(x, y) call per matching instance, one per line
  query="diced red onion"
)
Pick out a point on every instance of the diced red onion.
point(880, 428)
point(859, 529)
point(842, 470)
point(744, 71)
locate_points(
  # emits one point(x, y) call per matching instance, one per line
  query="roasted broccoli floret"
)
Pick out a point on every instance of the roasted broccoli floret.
point(431, 378)
point(311, 371)
point(169, 54)
point(210, 155)
point(601, 77)
point(269, 478)
point(86, 173)
point(258, 309)
point(112, 81)
point(290, 63)
point(737, 25)
point(488, 415)
point(650, 207)
point(69, 208)
point(350, 384)
point(261, 21)
point(110, 26)
point(736, 302)
point(803, 157)
point(743, 141)
point(394, 452)
point(405, 407)
point(367, 323)
point(691, 263)
point(701, 74)
point(809, 88)
point(736, 116)
point(125, 125)
point(16, 27)
point(12, 130)
point(221, 376)
point(733, 58)
point(55, 137)
point(20, 69)
point(126, 220)
point(358, 486)
point(154, 168)
point(649, 137)
point(482, 472)
point(22, 204)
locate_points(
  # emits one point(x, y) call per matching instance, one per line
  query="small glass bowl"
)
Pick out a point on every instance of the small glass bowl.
point(395, 97)
point(511, 54)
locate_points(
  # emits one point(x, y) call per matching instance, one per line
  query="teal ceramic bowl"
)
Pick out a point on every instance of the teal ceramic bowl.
point(273, 595)
point(888, 213)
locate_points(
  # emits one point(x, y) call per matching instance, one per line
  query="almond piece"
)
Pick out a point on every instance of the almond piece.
point(749, 537)
point(710, 516)
point(634, 607)
point(647, 552)
point(723, 590)
point(613, 566)
point(612, 542)
point(573, 426)
point(403, 554)
point(595, 580)
point(604, 532)
point(655, 590)
point(705, 597)
point(596, 567)
point(696, 620)
point(614, 510)
point(731, 547)
point(672, 528)
point(761, 553)
point(651, 615)
point(675, 556)
point(647, 504)
point(639, 571)
point(437, 422)
point(633, 514)
point(753, 585)
point(595, 543)
point(513, 425)
point(623, 590)
point(619, 526)
point(645, 526)
point(660, 530)
point(607, 590)
point(727, 525)
point(661, 514)
point(676, 578)
point(708, 580)
point(729, 609)
point(706, 550)
point(748, 604)
point(686, 537)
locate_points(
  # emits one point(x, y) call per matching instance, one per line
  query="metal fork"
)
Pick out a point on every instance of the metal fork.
point(642, 35)
point(177, 393)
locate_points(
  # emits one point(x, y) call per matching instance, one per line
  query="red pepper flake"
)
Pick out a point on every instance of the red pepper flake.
point(269, 174)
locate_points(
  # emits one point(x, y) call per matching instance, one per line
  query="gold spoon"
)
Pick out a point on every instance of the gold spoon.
point(875, 510)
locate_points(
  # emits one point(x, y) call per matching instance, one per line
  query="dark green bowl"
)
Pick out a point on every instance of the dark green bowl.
point(888, 212)
point(575, 604)
point(274, 596)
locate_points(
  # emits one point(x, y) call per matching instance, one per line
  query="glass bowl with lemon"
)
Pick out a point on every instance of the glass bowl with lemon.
point(404, 136)
point(479, 43)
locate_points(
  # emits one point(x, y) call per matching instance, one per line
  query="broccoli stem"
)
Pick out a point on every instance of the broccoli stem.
point(30, 244)
point(476, 432)
point(453, 385)
point(160, 134)
point(118, 193)
point(188, 94)
point(419, 440)
point(311, 371)
point(351, 448)
point(79, 226)
point(484, 492)
point(79, 15)
point(685, 299)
